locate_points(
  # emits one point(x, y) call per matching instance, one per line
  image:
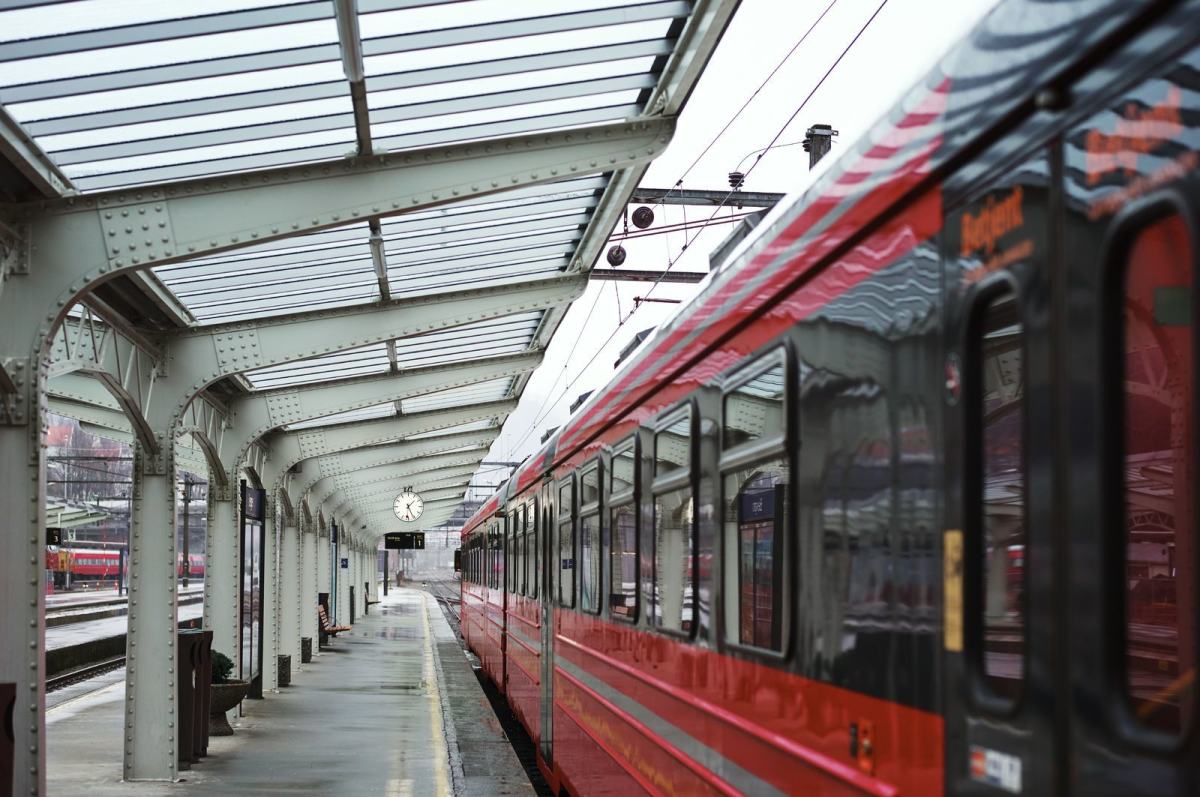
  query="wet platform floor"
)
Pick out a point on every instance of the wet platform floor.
point(391, 708)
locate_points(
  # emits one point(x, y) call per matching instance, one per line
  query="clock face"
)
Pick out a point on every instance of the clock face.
point(408, 506)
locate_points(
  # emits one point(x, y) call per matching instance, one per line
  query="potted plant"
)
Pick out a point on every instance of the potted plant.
point(226, 694)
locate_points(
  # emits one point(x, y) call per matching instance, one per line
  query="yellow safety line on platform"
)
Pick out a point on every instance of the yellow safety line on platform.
point(436, 728)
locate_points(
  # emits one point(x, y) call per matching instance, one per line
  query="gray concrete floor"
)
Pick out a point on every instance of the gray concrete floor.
point(392, 709)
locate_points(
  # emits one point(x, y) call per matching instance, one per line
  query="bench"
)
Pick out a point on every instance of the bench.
point(327, 627)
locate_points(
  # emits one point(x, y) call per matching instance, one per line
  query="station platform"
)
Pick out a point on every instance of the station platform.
point(391, 707)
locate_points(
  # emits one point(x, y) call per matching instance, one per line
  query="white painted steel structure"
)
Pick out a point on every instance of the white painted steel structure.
point(316, 246)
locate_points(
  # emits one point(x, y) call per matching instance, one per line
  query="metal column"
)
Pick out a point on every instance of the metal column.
point(308, 583)
point(270, 617)
point(22, 568)
point(150, 749)
point(222, 567)
point(289, 592)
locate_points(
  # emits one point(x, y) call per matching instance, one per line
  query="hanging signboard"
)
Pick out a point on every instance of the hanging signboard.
point(252, 582)
point(404, 540)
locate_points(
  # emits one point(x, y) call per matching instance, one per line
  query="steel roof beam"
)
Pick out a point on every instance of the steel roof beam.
point(426, 468)
point(466, 444)
point(38, 169)
point(107, 233)
point(446, 494)
point(291, 448)
point(681, 196)
point(273, 409)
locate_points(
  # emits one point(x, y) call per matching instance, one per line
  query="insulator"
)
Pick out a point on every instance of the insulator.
point(736, 180)
point(643, 217)
point(616, 255)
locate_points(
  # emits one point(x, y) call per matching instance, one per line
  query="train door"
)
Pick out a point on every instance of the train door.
point(1002, 669)
point(1131, 215)
point(549, 558)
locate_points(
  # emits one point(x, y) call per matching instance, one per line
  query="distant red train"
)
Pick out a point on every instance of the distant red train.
point(101, 564)
point(902, 503)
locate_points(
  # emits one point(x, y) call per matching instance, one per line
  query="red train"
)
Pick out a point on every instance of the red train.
point(101, 564)
point(903, 502)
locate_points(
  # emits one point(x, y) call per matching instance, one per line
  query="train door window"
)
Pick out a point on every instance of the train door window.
point(589, 539)
point(755, 477)
point(998, 505)
point(531, 548)
point(566, 542)
point(623, 550)
point(1159, 469)
point(514, 548)
point(674, 593)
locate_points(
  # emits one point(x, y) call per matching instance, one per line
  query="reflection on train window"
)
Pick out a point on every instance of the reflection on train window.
point(531, 550)
point(754, 409)
point(674, 560)
point(623, 565)
point(566, 543)
point(566, 563)
point(1002, 490)
point(496, 564)
point(755, 506)
point(1159, 468)
point(672, 446)
point(589, 486)
point(589, 563)
point(621, 473)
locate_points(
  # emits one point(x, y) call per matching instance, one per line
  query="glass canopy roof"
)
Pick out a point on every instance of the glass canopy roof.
point(123, 93)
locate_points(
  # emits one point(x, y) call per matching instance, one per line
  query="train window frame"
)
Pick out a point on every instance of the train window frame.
point(626, 498)
point(976, 304)
point(592, 509)
point(686, 476)
point(511, 568)
point(566, 518)
point(1123, 232)
point(532, 529)
point(748, 454)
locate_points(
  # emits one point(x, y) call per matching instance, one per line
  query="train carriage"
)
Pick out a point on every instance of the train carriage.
point(902, 502)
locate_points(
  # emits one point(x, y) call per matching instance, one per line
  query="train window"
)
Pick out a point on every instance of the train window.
point(531, 548)
point(674, 593)
point(513, 560)
point(623, 547)
point(589, 562)
point(589, 486)
point(1159, 468)
point(754, 409)
point(621, 473)
point(755, 480)
point(1000, 487)
point(566, 542)
point(672, 446)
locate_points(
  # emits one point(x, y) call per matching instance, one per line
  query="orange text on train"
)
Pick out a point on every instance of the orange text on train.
point(1137, 131)
point(993, 221)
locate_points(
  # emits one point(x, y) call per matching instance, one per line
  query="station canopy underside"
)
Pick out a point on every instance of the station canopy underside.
point(100, 97)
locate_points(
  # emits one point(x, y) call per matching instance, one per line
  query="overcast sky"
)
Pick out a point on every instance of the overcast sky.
point(899, 47)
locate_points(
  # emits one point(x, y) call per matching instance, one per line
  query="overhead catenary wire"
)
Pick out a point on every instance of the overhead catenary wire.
point(688, 241)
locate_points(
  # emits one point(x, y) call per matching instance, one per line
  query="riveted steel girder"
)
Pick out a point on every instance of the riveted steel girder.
point(83, 239)
point(368, 498)
point(347, 462)
point(290, 448)
point(418, 472)
point(262, 412)
point(376, 481)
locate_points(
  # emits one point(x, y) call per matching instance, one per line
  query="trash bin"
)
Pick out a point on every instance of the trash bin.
point(8, 740)
point(284, 669)
point(305, 650)
point(186, 693)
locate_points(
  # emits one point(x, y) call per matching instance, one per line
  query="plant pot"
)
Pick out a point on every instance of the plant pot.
point(224, 697)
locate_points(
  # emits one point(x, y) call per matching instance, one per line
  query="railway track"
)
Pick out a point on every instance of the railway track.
point(83, 673)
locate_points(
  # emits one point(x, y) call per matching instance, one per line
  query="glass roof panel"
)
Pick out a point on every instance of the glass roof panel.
point(492, 390)
point(507, 335)
point(363, 361)
point(372, 413)
point(473, 426)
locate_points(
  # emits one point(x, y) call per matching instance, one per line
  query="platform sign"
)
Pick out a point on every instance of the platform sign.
point(345, 563)
point(404, 541)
